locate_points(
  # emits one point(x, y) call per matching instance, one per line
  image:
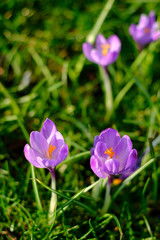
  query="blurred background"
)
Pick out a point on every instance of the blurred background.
point(43, 73)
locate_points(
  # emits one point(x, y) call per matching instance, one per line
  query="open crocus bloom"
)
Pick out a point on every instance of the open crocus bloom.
point(113, 155)
point(105, 52)
point(146, 30)
point(48, 148)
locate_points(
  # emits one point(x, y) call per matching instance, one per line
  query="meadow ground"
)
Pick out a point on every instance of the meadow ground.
point(44, 74)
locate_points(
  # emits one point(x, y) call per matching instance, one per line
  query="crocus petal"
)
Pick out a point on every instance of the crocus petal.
point(122, 151)
point(57, 140)
point(87, 48)
point(39, 143)
point(92, 151)
point(109, 58)
point(132, 30)
point(142, 38)
point(100, 150)
point(100, 40)
point(103, 60)
point(33, 157)
point(155, 35)
point(48, 130)
point(115, 43)
point(139, 36)
point(155, 26)
point(111, 167)
point(62, 154)
point(52, 163)
point(143, 22)
point(96, 56)
point(49, 163)
point(152, 18)
point(132, 159)
point(110, 136)
point(96, 139)
point(96, 167)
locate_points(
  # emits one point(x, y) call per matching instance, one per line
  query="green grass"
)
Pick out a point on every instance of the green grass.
point(44, 74)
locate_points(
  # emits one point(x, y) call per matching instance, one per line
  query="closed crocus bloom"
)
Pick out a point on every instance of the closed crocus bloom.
point(48, 148)
point(113, 155)
point(105, 52)
point(146, 30)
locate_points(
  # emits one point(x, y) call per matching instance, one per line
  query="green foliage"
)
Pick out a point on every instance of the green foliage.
point(43, 73)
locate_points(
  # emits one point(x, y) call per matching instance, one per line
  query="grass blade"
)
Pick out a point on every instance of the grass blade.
point(133, 175)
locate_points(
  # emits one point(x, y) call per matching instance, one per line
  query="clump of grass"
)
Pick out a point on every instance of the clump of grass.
point(45, 74)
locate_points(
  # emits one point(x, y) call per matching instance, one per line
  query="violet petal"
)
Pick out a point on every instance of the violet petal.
point(132, 30)
point(152, 18)
point(96, 167)
point(143, 22)
point(96, 56)
point(132, 159)
point(112, 167)
point(100, 150)
point(110, 136)
point(122, 151)
point(48, 130)
point(39, 143)
point(33, 157)
point(49, 163)
point(62, 154)
point(109, 58)
point(115, 43)
point(100, 40)
point(87, 48)
point(155, 35)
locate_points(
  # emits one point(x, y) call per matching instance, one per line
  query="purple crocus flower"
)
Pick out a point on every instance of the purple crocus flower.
point(113, 155)
point(105, 52)
point(146, 30)
point(47, 149)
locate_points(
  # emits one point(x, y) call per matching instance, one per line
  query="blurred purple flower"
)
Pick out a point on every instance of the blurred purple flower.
point(48, 148)
point(105, 52)
point(113, 155)
point(146, 30)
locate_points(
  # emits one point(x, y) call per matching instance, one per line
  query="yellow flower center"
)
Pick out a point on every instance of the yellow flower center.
point(146, 30)
point(105, 48)
point(109, 152)
point(50, 150)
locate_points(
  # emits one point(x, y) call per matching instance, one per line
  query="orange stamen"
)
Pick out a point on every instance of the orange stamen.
point(50, 150)
point(109, 152)
point(105, 48)
point(146, 30)
point(117, 181)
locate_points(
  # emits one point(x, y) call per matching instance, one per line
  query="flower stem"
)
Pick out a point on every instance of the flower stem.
point(107, 91)
point(53, 201)
point(91, 36)
point(107, 199)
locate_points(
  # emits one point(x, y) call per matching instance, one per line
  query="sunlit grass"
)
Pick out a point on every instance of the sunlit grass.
point(44, 74)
